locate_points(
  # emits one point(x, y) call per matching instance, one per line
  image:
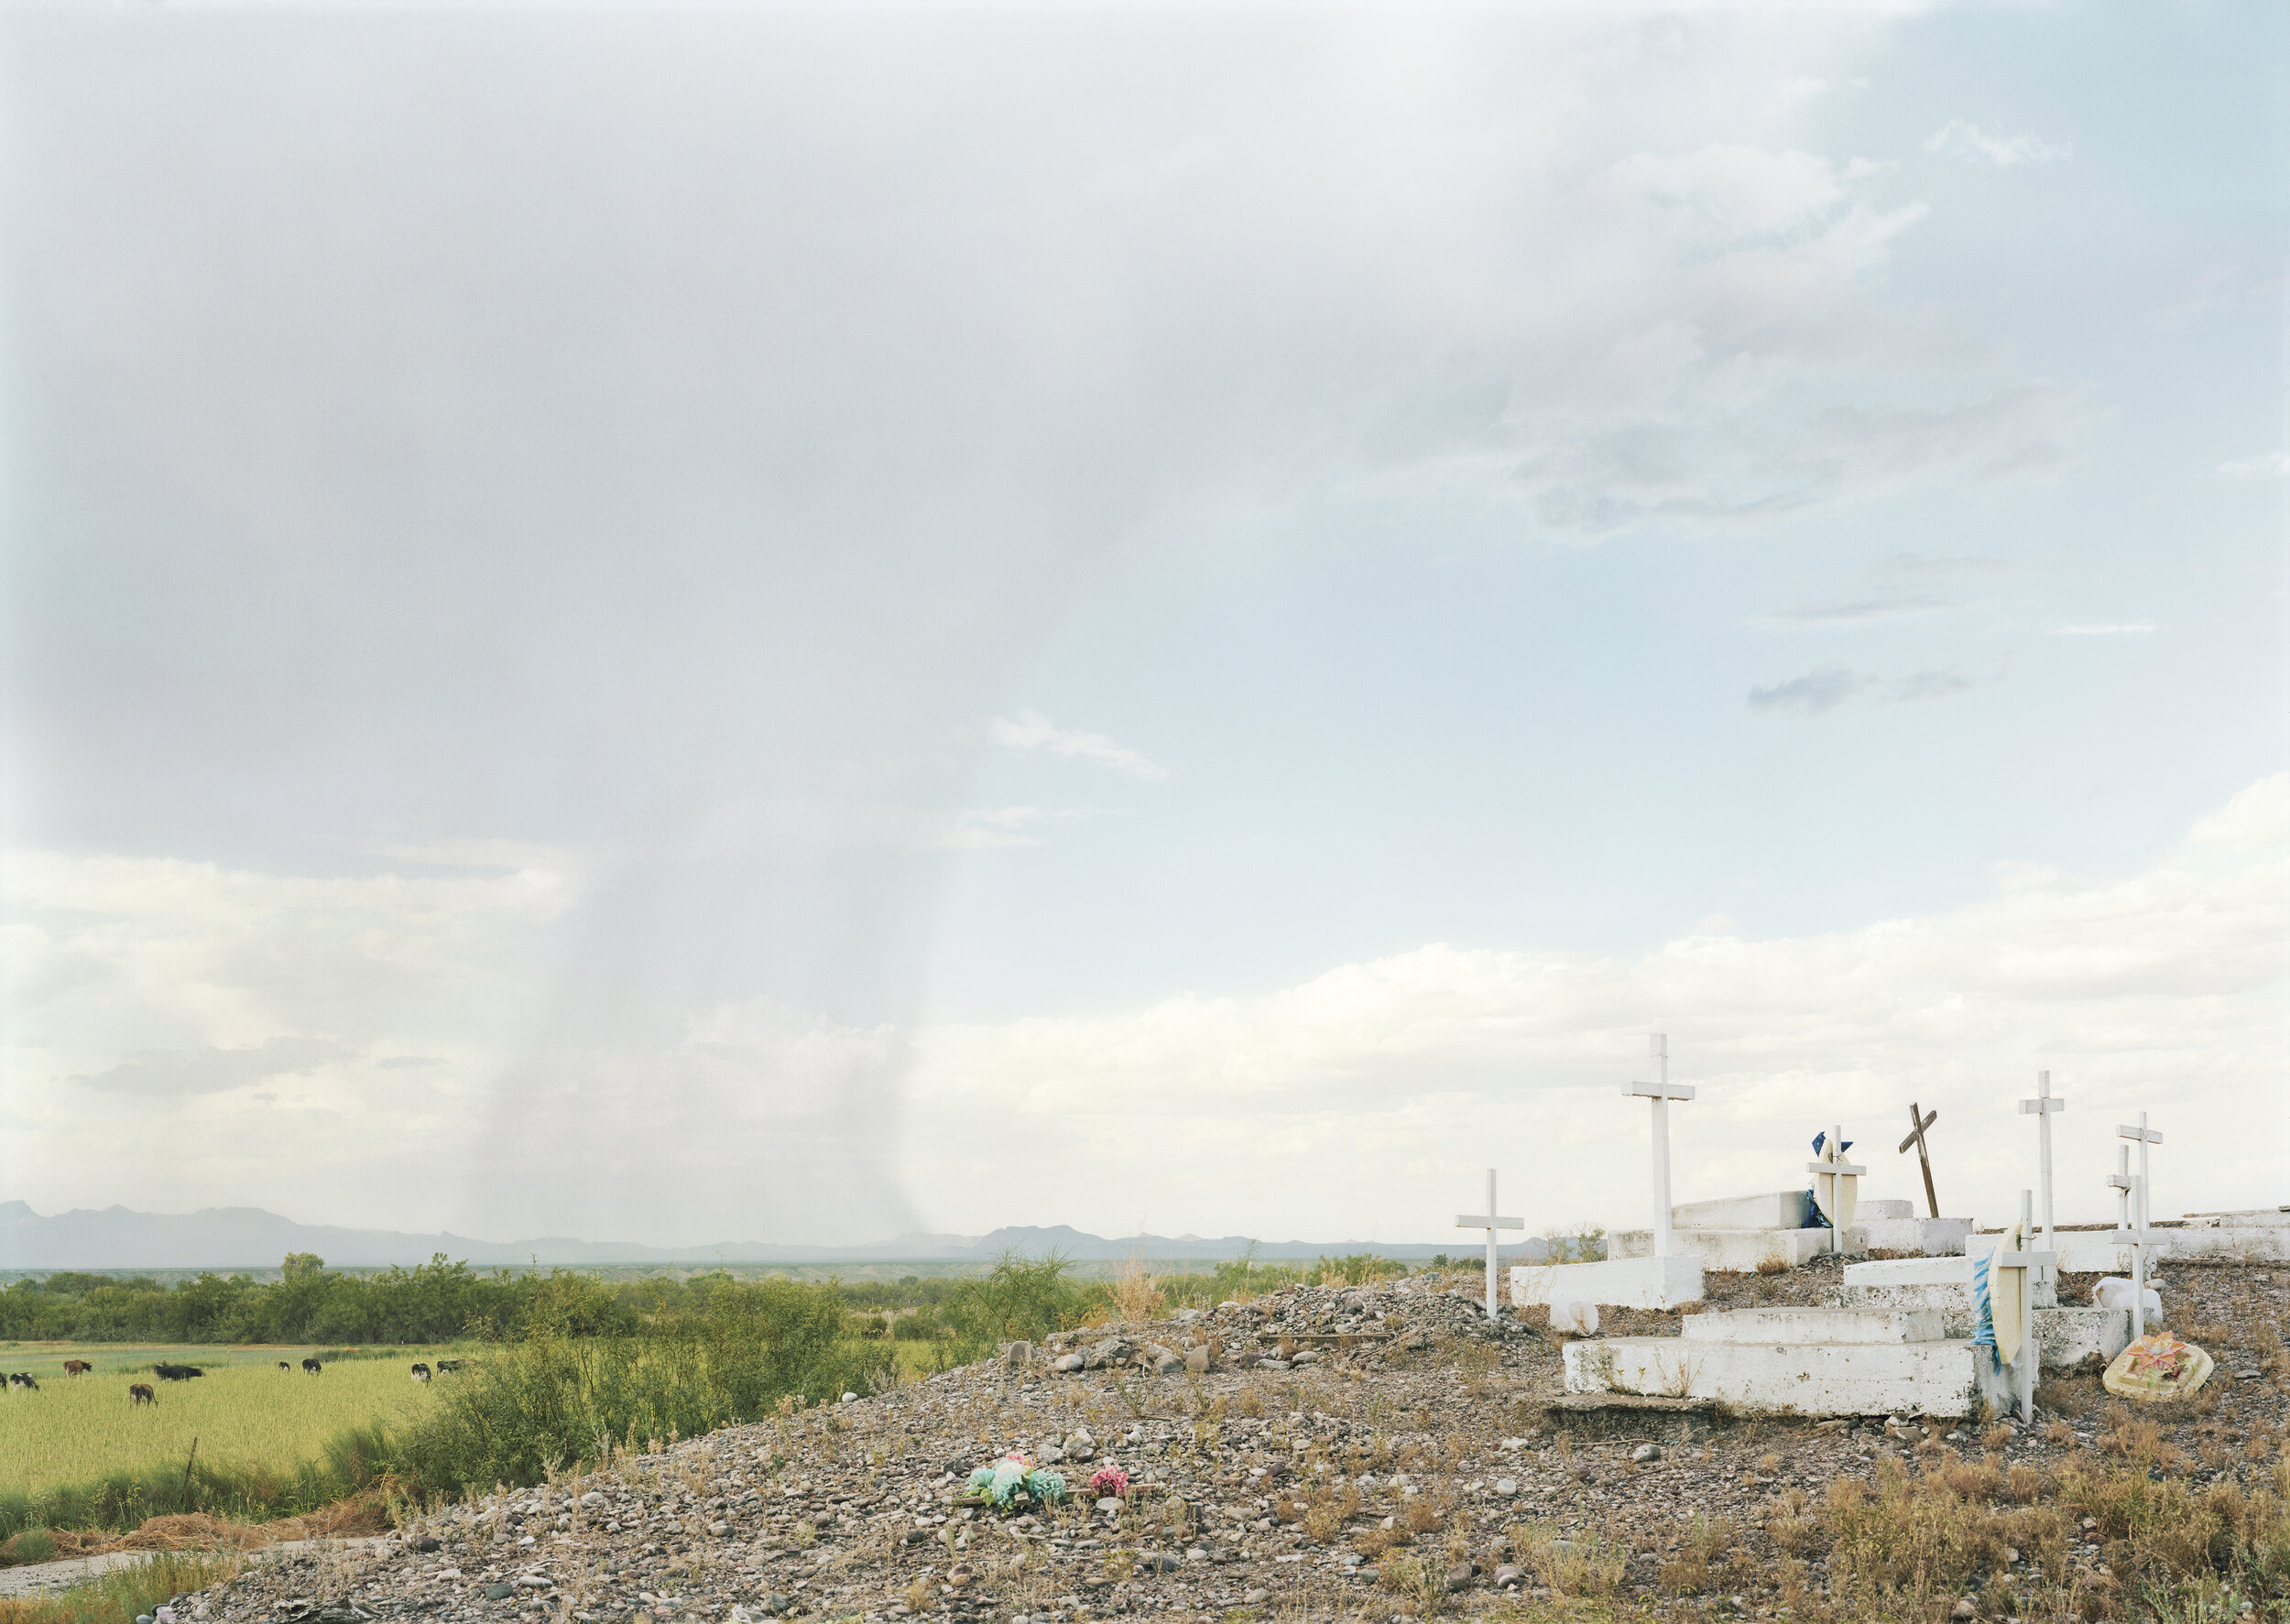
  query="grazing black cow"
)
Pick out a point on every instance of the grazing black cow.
point(23, 1378)
point(77, 1367)
point(448, 1367)
point(175, 1372)
point(421, 1373)
point(309, 1366)
point(284, 1366)
point(141, 1393)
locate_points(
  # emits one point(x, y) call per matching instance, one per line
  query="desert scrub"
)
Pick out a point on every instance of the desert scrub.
point(557, 1399)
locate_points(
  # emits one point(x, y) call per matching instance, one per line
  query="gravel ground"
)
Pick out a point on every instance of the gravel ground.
point(1351, 1453)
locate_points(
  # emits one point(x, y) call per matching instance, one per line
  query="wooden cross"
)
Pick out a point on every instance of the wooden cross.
point(1662, 1091)
point(1917, 1126)
point(1490, 1223)
point(2044, 1107)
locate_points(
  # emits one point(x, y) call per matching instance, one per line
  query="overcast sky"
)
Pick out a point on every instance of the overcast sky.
point(686, 624)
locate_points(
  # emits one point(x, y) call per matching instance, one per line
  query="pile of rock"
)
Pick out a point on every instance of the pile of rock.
point(1286, 1330)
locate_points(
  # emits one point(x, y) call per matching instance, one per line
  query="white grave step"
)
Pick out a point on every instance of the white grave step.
point(1869, 1210)
point(1617, 1282)
point(1933, 1237)
point(1826, 1326)
point(1816, 1379)
point(1738, 1251)
point(1783, 1209)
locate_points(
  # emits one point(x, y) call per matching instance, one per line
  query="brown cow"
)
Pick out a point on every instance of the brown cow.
point(141, 1393)
point(77, 1367)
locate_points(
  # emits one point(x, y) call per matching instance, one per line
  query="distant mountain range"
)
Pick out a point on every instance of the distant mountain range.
point(249, 1238)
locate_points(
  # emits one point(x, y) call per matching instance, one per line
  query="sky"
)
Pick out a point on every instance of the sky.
point(787, 623)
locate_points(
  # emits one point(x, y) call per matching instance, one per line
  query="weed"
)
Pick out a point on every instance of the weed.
point(124, 1593)
point(1581, 1564)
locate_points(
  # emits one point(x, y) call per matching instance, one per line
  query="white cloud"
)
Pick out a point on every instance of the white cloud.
point(1362, 1102)
point(1958, 138)
point(2273, 466)
point(2123, 629)
point(1815, 694)
point(1034, 731)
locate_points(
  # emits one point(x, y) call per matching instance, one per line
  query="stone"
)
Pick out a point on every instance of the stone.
point(1460, 1576)
point(425, 1544)
point(1507, 1577)
point(1110, 1503)
point(1161, 1562)
point(499, 1592)
point(1167, 1362)
point(1964, 1608)
point(1066, 1363)
point(1505, 1486)
point(1256, 1598)
point(1626, 1282)
point(1020, 1356)
point(1196, 1360)
point(1646, 1452)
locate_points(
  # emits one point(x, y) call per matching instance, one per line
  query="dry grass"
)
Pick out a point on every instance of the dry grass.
point(124, 1593)
point(1135, 1296)
point(1573, 1565)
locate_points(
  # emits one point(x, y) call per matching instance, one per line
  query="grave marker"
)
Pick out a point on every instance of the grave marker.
point(1835, 1187)
point(2031, 1353)
point(1662, 1091)
point(2142, 1239)
point(2044, 1107)
point(1492, 1223)
point(1917, 1126)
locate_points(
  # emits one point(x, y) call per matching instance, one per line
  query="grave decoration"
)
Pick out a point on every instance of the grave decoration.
point(2158, 1366)
point(1013, 1484)
point(1109, 1482)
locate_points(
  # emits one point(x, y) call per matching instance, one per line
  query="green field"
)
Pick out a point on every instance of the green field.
point(245, 1412)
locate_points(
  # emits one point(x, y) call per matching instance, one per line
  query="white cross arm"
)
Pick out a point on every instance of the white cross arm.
point(2153, 1135)
point(2137, 1237)
point(2023, 1260)
point(2037, 1108)
point(1844, 1168)
point(2120, 1181)
point(1658, 1090)
point(1465, 1221)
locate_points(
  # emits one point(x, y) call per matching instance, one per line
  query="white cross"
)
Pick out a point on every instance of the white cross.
point(1662, 1091)
point(2142, 1239)
point(1490, 1223)
point(1832, 1165)
point(2030, 1356)
point(2119, 1181)
point(2044, 1107)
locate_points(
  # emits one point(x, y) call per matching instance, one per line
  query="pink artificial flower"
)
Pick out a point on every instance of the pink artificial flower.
point(1109, 1479)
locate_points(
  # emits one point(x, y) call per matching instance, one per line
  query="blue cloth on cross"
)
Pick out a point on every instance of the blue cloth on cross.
point(1812, 1203)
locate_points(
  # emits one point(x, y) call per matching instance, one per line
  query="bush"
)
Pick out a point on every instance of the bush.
point(556, 1397)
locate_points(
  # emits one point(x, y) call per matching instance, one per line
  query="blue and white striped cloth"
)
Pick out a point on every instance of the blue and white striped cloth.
point(1984, 1321)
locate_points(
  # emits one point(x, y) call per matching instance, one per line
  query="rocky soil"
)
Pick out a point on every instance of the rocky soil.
point(1325, 1453)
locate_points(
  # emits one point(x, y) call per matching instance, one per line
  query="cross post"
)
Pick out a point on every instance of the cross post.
point(1833, 1166)
point(1917, 1126)
point(2043, 1107)
point(2025, 1261)
point(1662, 1091)
point(2119, 1181)
point(2142, 1238)
point(1492, 1223)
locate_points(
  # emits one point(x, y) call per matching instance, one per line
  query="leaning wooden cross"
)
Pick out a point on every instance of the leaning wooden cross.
point(1489, 1222)
point(1917, 1126)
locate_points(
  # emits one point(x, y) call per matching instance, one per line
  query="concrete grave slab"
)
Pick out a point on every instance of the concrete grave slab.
point(1617, 1282)
point(1940, 1378)
point(1798, 1326)
point(1783, 1209)
point(1738, 1251)
point(1934, 1237)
